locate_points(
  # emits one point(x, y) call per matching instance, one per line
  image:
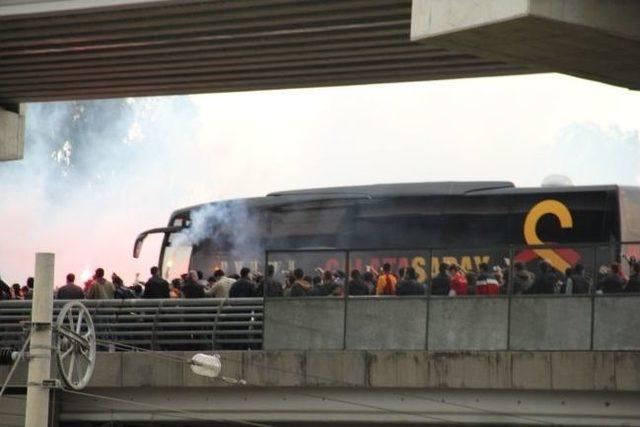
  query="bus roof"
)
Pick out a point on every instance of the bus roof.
point(382, 191)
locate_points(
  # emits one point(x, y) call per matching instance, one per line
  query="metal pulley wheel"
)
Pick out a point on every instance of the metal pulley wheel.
point(75, 345)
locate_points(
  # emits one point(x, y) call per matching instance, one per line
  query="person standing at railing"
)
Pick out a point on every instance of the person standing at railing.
point(191, 288)
point(100, 288)
point(441, 284)
point(270, 286)
point(522, 278)
point(487, 284)
point(578, 283)
point(409, 284)
point(356, 285)
point(156, 286)
point(70, 290)
point(546, 280)
point(458, 285)
point(612, 283)
point(243, 287)
point(30, 285)
point(387, 282)
point(16, 292)
point(5, 291)
point(633, 285)
point(221, 286)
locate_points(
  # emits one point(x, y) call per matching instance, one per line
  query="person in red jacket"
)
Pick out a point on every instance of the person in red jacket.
point(458, 284)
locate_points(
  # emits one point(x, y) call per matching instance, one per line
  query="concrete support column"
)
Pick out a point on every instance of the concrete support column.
point(595, 39)
point(11, 132)
point(40, 347)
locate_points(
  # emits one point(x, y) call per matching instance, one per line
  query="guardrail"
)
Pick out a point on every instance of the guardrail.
point(168, 324)
point(527, 322)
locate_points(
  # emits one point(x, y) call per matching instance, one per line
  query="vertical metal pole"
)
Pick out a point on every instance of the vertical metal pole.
point(347, 260)
point(510, 295)
point(37, 407)
point(427, 289)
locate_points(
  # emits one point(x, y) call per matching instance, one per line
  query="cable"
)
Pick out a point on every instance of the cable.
point(342, 383)
point(188, 414)
point(179, 359)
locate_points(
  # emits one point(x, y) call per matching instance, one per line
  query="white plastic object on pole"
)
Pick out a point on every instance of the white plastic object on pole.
point(206, 365)
point(37, 407)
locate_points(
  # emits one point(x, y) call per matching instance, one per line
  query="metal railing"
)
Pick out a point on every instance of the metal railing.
point(167, 324)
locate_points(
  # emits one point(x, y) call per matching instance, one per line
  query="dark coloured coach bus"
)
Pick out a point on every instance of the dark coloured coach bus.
point(418, 224)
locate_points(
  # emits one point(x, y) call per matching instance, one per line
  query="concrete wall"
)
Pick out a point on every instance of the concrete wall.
point(518, 370)
point(386, 323)
point(468, 323)
point(531, 323)
point(370, 369)
point(550, 323)
point(616, 323)
point(306, 323)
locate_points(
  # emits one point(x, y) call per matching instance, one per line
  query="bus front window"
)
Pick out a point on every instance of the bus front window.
point(176, 258)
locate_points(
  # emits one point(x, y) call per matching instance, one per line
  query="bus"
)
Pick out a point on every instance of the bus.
point(417, 224)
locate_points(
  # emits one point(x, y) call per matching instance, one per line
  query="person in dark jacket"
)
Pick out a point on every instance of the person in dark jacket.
point(633, 285)
point(409, 285)
point(30, 284)
point(612, 283)
point(270, 286)
point(191, 288)
point(156, 286)
point(441, 284)
point(579, 282)
point(70, 290)
point(522, 279)
point(356, 284)
point(5, 291)
point(243, 287)
point(546, 281)
point(122, 292)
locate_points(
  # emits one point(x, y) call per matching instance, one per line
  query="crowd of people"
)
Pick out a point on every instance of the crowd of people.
point(451, 280)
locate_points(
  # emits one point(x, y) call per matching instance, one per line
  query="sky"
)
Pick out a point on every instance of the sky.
point(85, 195)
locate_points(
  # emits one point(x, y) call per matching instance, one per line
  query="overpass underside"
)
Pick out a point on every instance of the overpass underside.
point(353, 387)
point(193, 46)
point(68, 49)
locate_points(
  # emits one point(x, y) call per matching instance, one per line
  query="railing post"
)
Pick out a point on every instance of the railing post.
point(37, 402)
point(346, 299)
point(427, 290)
point(592, 296)
point(215, 324)
point(509, 295)
point(155, 326)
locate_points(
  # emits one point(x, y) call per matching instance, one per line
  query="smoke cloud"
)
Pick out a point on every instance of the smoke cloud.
point(91, 180)
point(96, 174)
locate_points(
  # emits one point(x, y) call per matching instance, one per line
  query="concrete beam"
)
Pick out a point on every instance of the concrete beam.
point(11, 132)
point(595, 39)
point(25, 7)
point(371, 369)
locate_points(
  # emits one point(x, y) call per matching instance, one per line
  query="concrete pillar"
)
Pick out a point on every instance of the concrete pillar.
point(37, 409)
point(595, 39)
point(11, 132)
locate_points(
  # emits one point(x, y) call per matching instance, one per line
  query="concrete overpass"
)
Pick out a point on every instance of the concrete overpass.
point(71, 49)
point(423, 360)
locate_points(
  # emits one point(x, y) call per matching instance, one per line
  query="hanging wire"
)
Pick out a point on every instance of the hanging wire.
point(341, 383)
point(165, 410)
point(237, 381)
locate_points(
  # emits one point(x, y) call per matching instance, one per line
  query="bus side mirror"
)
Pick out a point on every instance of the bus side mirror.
point(137, 246)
